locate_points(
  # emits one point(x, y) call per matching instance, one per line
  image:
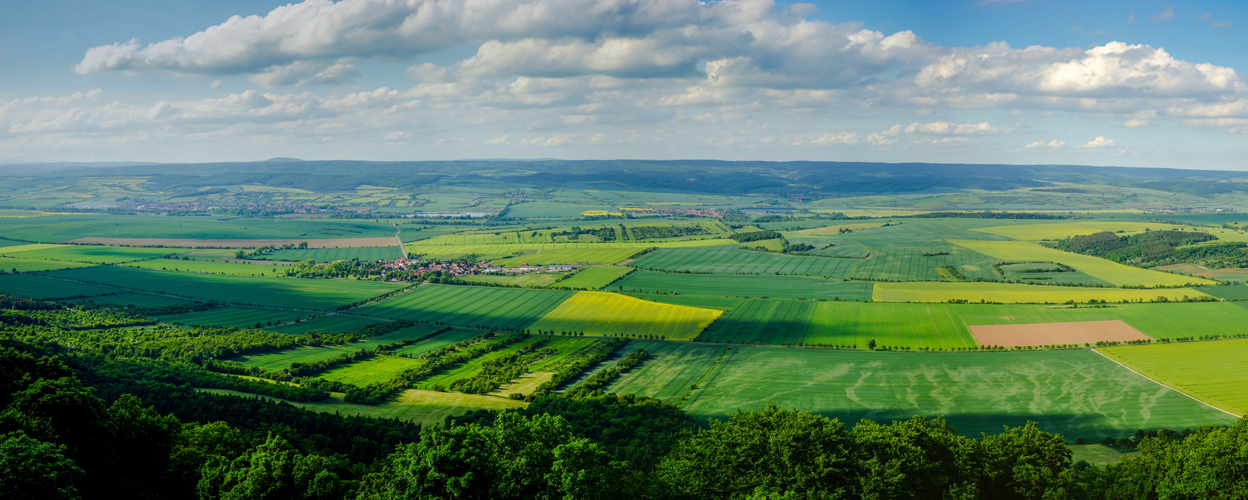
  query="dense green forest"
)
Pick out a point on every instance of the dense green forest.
point(84, 414)
point(1142, 248)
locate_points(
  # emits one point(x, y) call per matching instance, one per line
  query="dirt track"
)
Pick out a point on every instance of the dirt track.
point(383, 241)
point(1079, 333)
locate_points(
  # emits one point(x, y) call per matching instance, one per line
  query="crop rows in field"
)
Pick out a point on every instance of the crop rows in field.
point(595, 277)
point(240, 317)
point(37, 287)
point(1050, 230)
point(669, 372)
point(794, 287)
point(1106, 270)
point(93, 254)
point(285, 292)
point(236, 268)
point(334, 323)
point(1020, 293)
point(19, 265)
point(910, 264)
point(774, 322)
point(371, 370)
point(499, 251)
point(136, 299)
point(72, 226)
point(469, 306)
point(603, 313)
point(729, 259)
point(1076, 393)
point(1212, 372)
point(573, 256)
point(335, 254)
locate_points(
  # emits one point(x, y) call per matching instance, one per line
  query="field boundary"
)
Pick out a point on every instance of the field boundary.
point(1155, 381)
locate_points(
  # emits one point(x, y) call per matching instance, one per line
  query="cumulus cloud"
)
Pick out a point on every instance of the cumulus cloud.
point(1164, 15)
point(1054, 144)
point(1134, 123)
point(1099, 143)
point(947, 128)
point(305, 73)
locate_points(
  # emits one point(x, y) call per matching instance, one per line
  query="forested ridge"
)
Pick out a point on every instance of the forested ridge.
point(1147, 248)
point(84, 414)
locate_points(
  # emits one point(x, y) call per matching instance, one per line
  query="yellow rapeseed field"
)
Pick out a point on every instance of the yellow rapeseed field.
point(603, 313)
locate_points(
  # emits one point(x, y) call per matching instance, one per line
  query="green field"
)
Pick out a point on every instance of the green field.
point(793, 287)
point(17, 265)
point(1108, 271)
point(468, 306)
point(529, 280)
point(285, 292)
point(1018, 293)
point(1076, 393)
point(137, 299)
point(1059, 230)
point(94, 254)
point(1212, 372)
point(278, 360)
point(565, 346)
point(73, 226)
point(334, 323)
point(37, 287)
point(437, 342)
point(502, 251)
point(233, 268)
point(595, 277)
point(422, 407)
point(374, 369)
point(574, 256)
point(236, 316)
point(603, 313)
point(729, 259)
point(1228, 292)
point(334, 254)
point(1047, 273)
point(776, 322)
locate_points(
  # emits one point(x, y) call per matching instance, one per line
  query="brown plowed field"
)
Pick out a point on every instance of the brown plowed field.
point(1080, 332)
point(383, 241)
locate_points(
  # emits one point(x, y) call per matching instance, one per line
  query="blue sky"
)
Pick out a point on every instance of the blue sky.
point(1144, 83)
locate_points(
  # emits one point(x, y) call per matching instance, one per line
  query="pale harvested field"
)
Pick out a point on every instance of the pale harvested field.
point(190, 243)
point(1079, 332)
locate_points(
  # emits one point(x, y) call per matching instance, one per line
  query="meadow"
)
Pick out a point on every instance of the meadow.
point(499, 252)
point(1118, 274)
point(371, 370)
point(670, 371)
point(604, 313)
point(1211, 371)
point(1077, 393)
point(286, 292)
point(793, 287)
point(595, 277)
point(473, 306)
point(729, 259)
point(335, 254)
point(1020, 293)
point(564, 346)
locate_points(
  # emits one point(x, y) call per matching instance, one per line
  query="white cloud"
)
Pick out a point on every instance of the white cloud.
point(301, 73)
point(1053, 144)
point(1099, 143)
point(216, 85)
point(1221, 24)
point(946, 128)
point(1134, 123)
point(1164, 15)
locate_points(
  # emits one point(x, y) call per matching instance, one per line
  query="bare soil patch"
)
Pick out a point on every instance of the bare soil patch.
point(382, 241)
point(1032, 334)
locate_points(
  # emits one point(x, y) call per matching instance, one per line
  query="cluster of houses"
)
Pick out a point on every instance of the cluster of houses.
point(402, 269)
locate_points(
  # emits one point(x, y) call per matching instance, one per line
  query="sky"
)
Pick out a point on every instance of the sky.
point(1131, 83)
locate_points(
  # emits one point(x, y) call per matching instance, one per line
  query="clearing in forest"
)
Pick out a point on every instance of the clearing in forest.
point(1078, 332)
